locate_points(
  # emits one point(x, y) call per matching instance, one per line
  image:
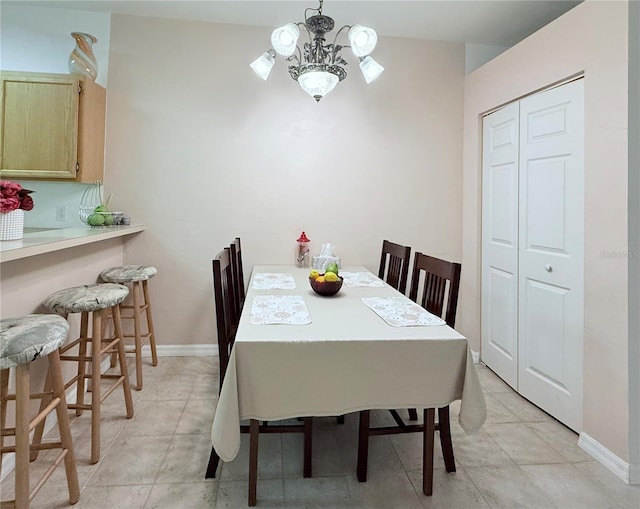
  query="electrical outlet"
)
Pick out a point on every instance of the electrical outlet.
point(61, 213)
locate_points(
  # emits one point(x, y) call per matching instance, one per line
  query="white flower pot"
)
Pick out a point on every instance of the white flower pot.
point(12, 225)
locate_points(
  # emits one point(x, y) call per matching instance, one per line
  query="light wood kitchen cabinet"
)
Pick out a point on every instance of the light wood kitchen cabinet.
point(52, 127)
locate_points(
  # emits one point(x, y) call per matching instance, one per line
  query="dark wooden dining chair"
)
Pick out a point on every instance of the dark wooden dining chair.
point(394, 265)
point(227, 324)
point(434, 285)
point(238, 275)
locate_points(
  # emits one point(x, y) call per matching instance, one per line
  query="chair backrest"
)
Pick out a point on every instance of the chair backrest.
point(224, 296)
point(394, 272)
point(238, 275)
point(438, 291)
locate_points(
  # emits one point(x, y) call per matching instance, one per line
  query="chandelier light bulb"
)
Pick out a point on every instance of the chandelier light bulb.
point(370, 69)
point(263, 64)
point(285, 38)
point(363, 40)
point(318, 83)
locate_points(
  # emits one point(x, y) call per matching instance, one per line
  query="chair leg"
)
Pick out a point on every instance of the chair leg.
point(445, 439)
point(22, 437)
point(152, 334)
point(39, 431)
point(136, 334)
point(413, 414)
point(4, 389)
point(82, 365)
point(253, 461)
point(308, 445)
point(126, 388)
point(57, 385)
point(212, 466)
point(96, 346)
point(427, 451)
point(363, 445)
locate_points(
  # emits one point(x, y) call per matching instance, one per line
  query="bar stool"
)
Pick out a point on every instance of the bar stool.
point(138, 276)
point(95, 300)
point(23, 340)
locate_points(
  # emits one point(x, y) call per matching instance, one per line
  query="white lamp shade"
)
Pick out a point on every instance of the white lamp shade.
point(285, 38)
point(370, 69)
point(262, 65)
point(362, 39)
point(318, 83)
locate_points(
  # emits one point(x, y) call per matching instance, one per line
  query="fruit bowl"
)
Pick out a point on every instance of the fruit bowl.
point(326, 288)
point(100, 219)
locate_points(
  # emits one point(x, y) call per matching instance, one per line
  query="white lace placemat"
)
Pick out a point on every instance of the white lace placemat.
point(401, 312)
point(273, 281)
point(362, 279)
point(279, 309)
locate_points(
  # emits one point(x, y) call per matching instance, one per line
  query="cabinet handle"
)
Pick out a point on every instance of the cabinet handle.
point(548, 268)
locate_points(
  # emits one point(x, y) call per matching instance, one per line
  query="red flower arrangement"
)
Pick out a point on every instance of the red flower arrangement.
point(13, 196)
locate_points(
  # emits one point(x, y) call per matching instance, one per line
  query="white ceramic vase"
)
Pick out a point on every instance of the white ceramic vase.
point(12, 225)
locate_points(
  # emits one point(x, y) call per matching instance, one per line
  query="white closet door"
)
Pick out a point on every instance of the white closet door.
point(551, 245)
point(500, 243)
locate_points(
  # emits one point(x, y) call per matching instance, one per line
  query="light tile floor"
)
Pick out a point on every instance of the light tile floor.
point(520, 458)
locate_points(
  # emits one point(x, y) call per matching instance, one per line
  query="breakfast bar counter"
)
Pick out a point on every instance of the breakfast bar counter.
point(38, 241)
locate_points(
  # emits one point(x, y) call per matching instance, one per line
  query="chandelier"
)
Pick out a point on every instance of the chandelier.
point(318, 67)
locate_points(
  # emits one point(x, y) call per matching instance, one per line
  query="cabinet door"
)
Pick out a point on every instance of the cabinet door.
point(39, 126)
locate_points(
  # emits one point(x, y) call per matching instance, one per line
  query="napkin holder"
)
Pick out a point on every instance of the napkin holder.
point(320, 263)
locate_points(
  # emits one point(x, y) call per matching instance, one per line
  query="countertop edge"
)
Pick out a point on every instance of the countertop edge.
point(83, 237)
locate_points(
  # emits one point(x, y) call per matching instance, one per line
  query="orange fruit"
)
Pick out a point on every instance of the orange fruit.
point(320, 279)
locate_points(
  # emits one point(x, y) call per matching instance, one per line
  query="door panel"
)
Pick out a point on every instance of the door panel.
point(500, 243)
point(551, 249)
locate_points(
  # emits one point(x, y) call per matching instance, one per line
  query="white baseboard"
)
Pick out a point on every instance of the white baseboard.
point(8, 460)
point(206, 349)
point(603, 455)
point(476, 356)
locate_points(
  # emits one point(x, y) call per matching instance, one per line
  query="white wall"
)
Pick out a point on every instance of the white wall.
point(201, 150)
point(591, 38)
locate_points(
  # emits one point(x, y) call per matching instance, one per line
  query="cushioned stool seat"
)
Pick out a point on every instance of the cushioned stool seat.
point(137, 276)
point(93, 301)
point(86, 298)
point(23, 340)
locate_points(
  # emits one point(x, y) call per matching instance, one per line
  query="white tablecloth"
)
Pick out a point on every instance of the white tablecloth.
point(347, 359)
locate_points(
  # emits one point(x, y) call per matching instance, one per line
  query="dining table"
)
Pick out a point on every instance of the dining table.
point(300, 354)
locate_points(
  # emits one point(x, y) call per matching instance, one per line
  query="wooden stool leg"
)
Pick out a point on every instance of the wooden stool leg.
point(117, 324)
point(136, 334)
point(113, 360)
point(4, 389)
point(55, 375)
point(96, 345)
point(39, 431)
point(152, 334)
point(82, 365)
point(253, 461)
point(427, 450)
point(445, 439)
point(22, 436)
point(363, 445)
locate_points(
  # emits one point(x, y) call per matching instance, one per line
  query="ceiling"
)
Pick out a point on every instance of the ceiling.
point(493, 22)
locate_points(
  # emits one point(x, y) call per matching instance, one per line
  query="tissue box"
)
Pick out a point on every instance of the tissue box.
point(320, 262)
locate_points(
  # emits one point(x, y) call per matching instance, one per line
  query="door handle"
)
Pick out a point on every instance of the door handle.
point(548, 268)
